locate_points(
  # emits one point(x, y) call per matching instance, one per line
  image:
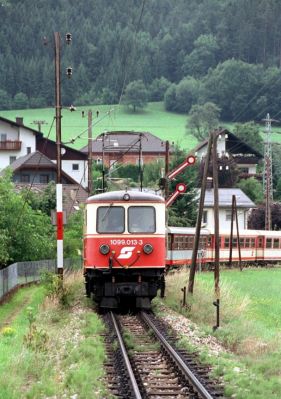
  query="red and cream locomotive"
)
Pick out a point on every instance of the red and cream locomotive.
point(124, 248)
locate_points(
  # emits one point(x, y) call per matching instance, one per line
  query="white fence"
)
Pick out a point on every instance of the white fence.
point(26, 272)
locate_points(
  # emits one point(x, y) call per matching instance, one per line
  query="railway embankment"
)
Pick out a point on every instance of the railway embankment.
point(245, 349)
point(54, 340)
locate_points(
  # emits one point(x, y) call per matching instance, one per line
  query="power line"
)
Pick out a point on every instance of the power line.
point(72, 141)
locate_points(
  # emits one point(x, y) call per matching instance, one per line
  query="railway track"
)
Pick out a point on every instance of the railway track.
point(143, 362)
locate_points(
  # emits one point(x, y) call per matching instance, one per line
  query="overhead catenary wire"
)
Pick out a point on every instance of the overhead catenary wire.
point(125, 61)
point(94, 123)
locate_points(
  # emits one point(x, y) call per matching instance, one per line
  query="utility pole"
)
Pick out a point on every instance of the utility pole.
point(103, 171)
point(234, 215)
point(140, 161)
point(267, 172)
point(90, 154)
point(216, 235)
point(39, 124)
point(199, 218)
point(167, 152)
point(58, 144)
point(59, 188)
point(58, 104)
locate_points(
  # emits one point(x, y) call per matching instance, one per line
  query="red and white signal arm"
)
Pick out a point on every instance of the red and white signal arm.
point(188, 162)
point(180, 189)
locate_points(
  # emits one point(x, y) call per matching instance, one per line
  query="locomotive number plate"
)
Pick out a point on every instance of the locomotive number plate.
point(126, 242)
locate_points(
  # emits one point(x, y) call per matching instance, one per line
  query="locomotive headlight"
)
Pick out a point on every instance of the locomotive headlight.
point(104, 249)
point(147, 249)
point(126, 197)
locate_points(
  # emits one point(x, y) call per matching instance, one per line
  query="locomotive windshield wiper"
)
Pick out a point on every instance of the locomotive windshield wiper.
point(107, 212)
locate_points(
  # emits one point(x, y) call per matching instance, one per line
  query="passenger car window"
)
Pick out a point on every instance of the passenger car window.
point(110, 219)
point(141, 219)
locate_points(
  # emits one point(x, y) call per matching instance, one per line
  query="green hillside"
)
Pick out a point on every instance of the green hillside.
point(154, 119)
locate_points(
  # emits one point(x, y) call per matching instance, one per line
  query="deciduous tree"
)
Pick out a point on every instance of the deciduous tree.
point(136, 95)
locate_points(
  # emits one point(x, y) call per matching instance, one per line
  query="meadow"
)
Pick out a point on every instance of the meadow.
point(250, 326)
point(154, 119)
point(39, 356)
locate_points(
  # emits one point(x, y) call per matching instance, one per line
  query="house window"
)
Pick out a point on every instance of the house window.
point(244, 170)
point(12, 159)
point(228, 216)
point(25, 178)
point(205, 216)
point(28, 150)
point(44, 179)
point(75, 166)
point(3, 137)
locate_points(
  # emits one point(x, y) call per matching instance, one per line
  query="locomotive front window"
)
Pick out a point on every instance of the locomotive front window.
point(141, 219)
point(111, 219)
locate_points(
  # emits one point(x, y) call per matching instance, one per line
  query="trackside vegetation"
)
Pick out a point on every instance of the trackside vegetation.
point(52, 341)
point(250, 327)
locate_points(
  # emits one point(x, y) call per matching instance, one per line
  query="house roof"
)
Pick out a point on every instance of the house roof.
point(118, 141)
point(233, 145)
point(36, 160)
point(49, 148)
point(13, 123)
point(225, 198)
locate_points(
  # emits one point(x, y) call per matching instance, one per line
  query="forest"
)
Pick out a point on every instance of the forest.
point(184, 52)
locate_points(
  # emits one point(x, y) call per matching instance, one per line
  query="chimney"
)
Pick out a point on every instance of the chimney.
point(19, 120)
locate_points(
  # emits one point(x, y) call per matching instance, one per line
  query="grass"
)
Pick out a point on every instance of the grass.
point(153, 119)
point(250, 327)
point(52, 349)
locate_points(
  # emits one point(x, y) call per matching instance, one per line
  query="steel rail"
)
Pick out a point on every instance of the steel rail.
point(127, 361)
point(184, 368)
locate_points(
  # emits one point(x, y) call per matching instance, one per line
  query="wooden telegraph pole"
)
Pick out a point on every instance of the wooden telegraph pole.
point(199, 218)
point(90, 153)
point(167, 151)
point(234, 214)
point(217, 234)
point(212, 149)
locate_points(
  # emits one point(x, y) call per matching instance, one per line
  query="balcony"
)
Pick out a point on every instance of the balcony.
point(10, 145)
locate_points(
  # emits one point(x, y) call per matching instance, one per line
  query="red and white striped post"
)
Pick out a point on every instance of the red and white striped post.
point(59, 229)
point(58, 145)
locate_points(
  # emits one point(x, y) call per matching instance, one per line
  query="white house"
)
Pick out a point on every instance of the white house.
point(244, 204)
point(228, 145)
point(17, 140)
